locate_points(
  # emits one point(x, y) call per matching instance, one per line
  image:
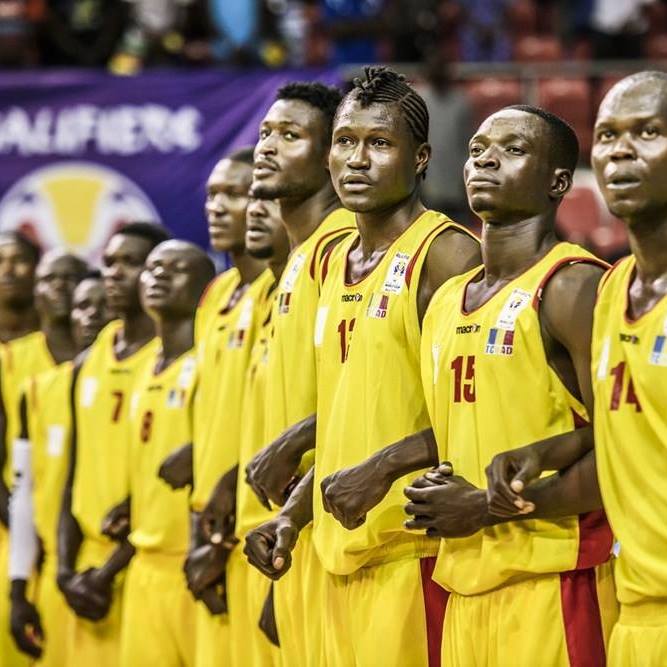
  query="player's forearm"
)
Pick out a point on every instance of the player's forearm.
point(299, 506)
point(567, 493)
point(23, 543)
point(117, 562)
point(69, 536)
point(564, 450)
point(412, 453)
point(302, 435)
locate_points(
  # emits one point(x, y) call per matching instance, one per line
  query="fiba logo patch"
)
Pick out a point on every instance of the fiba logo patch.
point(78, 205)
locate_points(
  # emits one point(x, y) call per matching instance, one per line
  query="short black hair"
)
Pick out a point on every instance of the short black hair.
point(92, 274)
point(324, 98)
point(244, 155)
point(566, 144)
point(151, 231)
point(383, 85)
point(22, 239)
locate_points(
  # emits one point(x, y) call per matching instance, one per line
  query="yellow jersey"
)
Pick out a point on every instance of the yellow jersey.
point(369, 395)
point(250, 513)
point(20, 360)
point(489, 388)
point(630, 386)
point(48, 400)
point(160, 422)
point(223, 352)
point(102, 391)
point(291, 381)
point(218, 291)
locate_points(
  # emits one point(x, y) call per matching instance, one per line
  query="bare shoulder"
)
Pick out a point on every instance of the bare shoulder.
point(451, 253)
point(568, 299)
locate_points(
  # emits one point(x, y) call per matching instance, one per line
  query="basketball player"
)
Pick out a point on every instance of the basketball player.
point(18, 260)
point(377, 285)
point(40, 466)
point(225, 329)
point(158, 621)
point(56, 276)
point(247, 589)
point(506, 361)
point(88, 561)
point(629, 158)
point(291, 166)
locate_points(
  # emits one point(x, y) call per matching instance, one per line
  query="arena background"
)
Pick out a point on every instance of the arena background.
point(134, 133)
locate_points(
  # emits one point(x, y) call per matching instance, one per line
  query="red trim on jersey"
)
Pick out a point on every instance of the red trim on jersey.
point(325, 264)
point(435, 602)
point(581, 618)
point(579, 421)
point(411, 264)
point(202, 298)
point(595, 539)
point(329, 236)
point(566, 261)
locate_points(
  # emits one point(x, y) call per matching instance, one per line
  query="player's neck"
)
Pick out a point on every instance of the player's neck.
point(379, 229)
point(248, 267)
point(17, 322)
point(508, 249)
point(277, 266)
point(648, 243)
point(59, 340)
point(137, 330)
point(302, 217)
point(176, 337)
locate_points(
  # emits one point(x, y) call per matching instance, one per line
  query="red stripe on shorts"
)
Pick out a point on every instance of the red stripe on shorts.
point(581, 617)
point(435, 601)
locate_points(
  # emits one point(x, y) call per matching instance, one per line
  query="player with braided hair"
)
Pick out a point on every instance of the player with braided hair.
point(375, 287)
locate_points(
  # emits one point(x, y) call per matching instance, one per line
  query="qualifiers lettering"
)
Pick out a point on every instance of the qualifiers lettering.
point(117, 130)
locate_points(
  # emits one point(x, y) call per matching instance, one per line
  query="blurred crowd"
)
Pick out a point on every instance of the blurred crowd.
point(127, 35)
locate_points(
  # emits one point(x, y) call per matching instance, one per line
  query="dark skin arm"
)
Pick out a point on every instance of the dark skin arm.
point(4, 490)
point(566, 316)
point(349, 494)
point(25, 622)
point(446, 505)
point(176, 469)
point(273, 469)
point(453, 507)
point(269, 547)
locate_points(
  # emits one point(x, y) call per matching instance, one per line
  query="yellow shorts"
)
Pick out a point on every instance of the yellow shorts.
point(297, 602)
point(54, 614)
point(639, 639)
point(96, 642)
point(158, 626)
point(389, 614)
point(10, 655)
point(247, 589)
point(212, 649)
point(556, 620)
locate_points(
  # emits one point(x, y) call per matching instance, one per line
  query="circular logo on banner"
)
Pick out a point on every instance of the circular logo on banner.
point(78, 205)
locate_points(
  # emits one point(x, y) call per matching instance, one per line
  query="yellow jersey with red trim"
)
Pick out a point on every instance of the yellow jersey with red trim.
point(367, 340)
point(490, 388)
point(250, 513)
point(630, 386)
point(291, 381)
point(20, 359)
point(48, 401)
point(216, 295)
point(223, 353)
point(102, 395)
point(160, 422)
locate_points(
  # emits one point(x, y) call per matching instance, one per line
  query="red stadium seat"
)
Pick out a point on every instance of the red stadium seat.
point(610, 241)
point(579, 215)
point(657, 18)
point(571, 99)
point(489, 95)
point(538, 48)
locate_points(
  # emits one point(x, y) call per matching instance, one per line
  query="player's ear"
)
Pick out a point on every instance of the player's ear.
point(561, 183)
point(422, 157)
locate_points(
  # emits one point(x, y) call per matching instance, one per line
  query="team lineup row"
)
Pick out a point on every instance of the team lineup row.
point(376, 440)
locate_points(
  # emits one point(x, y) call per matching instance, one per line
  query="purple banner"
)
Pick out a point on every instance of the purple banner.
point(83, 152)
